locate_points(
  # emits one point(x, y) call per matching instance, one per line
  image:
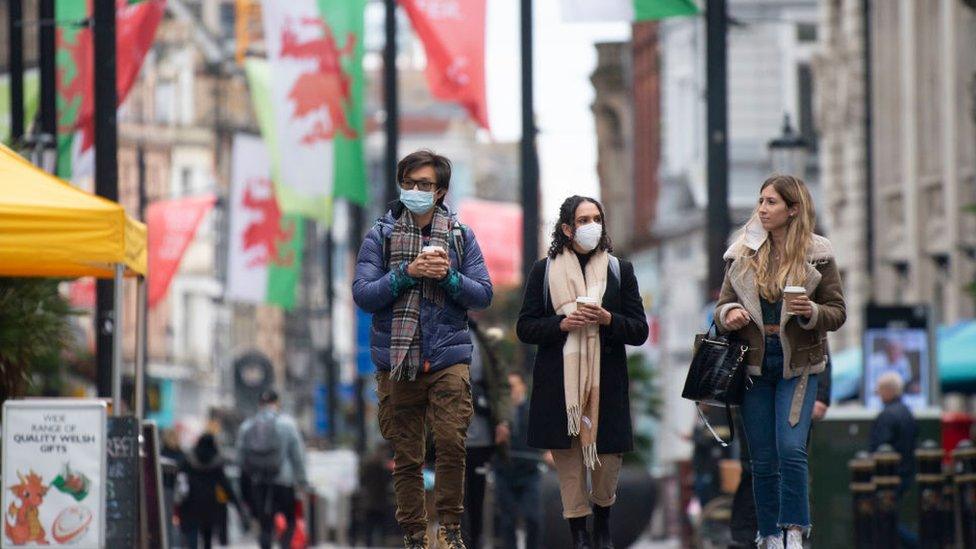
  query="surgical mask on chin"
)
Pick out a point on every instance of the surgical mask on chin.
point(418, 202)
point(588, 236)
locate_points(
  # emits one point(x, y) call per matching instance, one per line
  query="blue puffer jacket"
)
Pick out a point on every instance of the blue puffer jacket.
point(444, 330)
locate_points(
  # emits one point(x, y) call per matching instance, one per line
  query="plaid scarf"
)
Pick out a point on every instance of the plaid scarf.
point(406, 241)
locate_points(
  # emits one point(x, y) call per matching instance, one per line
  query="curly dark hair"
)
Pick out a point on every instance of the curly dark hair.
point(567, 215)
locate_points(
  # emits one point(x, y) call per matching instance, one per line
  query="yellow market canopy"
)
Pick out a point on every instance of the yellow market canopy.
point(49, 228)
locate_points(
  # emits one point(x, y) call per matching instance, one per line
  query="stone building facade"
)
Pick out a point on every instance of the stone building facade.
point(923, 153)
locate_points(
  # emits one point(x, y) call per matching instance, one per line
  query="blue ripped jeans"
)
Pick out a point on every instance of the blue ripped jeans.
point(778, 450)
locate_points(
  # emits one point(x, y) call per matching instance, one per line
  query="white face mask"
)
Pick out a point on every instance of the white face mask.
point(588, 236)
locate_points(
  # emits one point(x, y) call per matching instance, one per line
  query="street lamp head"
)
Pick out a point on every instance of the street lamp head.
point(788, 152)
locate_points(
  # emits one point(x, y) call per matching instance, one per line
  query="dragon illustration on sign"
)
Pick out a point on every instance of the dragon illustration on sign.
point(327, 86)
point(26, 527)
point(265, 233)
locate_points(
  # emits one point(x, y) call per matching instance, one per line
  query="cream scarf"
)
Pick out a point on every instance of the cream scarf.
point(581, 353)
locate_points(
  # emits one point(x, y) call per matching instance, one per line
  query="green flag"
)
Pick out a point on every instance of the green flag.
point(32, 99)
point(345, 17)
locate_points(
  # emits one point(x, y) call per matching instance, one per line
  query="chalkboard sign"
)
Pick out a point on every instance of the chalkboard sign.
point(122, 482)
point(154, 512)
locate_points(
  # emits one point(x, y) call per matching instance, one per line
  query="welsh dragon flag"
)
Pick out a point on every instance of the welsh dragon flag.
point(135, 28)
point(593, 11)
point(265, 257)
point(311, 109)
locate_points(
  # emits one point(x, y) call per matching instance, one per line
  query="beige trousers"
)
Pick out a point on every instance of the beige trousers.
point(573, 476)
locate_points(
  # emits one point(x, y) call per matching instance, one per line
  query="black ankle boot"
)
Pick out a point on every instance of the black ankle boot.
point(601, 528)
point(581, 538)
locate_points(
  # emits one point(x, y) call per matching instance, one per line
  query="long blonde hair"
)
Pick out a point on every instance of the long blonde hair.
point(791, 270)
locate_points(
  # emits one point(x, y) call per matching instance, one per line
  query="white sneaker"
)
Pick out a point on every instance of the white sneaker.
point(771, 542)
point(794, 538)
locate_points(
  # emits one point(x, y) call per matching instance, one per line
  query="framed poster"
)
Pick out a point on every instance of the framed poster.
point(898, 339)
point(53, 473)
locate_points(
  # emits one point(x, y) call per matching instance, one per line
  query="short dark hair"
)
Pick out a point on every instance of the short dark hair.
point(269, 397)
point(426, 157)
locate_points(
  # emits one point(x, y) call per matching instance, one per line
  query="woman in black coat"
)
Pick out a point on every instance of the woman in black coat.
point(619, 320)
point(200, 509)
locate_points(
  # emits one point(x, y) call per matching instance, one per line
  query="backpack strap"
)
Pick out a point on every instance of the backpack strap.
point(614, 271)
point(457, 236)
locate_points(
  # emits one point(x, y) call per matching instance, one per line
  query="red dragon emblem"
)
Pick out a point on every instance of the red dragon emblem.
point(327, 86)
point(266, 233)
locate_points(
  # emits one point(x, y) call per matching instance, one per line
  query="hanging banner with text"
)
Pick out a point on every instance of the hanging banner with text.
point(172, 225)
point(499, 229)
point(53, 473)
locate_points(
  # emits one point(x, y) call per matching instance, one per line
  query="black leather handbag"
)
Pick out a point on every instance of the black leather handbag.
point(717, 375)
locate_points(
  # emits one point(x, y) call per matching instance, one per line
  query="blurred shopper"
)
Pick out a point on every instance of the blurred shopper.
point(517, 492)
point(896, 426)
point(490, 427)
point(173, 456)
point(743, 523)
point(419, 272)
point(581, 306)
point(272, 459)
point(200, 510)
point(777, 251)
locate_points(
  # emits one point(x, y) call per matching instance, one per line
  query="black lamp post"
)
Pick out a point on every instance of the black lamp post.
point(788, 153)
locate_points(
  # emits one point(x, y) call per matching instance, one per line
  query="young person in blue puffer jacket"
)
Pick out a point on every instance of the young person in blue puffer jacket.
point(419, 272)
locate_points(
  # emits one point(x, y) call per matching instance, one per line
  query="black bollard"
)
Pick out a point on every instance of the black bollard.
point(930, 479)
point(949, 510)
point(862, 494)
point(887, 484)
point(964, 467)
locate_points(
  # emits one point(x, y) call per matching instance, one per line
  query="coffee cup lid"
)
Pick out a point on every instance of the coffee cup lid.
point(795, 290)
point(585, 299)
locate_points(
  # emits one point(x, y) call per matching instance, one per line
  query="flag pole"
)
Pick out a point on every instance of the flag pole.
point(719, 223)
point(15, 49)
point(47, 46)
point(529, 162)
point(106, 179)
point(391, 103)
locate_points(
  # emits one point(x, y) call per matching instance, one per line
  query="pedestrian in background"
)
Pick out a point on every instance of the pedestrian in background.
point(173, 454)
point(200, 509)
point(896, 426)
point(777, 251)
point(581, 307)
point(490, 427)
point(272, 458)
point(419, 272)
point(518, 497)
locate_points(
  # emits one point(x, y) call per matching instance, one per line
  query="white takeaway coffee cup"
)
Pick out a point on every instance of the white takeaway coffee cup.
point(586, 300)
point(431, 249)
point(792, 292)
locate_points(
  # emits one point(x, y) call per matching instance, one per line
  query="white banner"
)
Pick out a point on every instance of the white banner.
point(252, 206)
point(54, 473)
point(597, 11)
point(304, 58)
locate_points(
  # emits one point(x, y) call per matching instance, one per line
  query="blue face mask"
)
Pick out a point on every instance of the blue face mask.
point(418, 202)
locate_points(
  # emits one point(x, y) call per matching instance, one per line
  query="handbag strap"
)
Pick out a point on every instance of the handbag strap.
point(728, 415)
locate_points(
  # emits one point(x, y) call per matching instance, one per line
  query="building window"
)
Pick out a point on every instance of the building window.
point(804, 86)
point(186, 180)
point(806, 32)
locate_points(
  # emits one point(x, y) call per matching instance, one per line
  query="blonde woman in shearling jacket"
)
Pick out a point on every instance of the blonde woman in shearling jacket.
point(787, 347)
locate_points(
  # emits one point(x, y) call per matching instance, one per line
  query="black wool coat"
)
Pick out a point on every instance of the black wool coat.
point(538, 324)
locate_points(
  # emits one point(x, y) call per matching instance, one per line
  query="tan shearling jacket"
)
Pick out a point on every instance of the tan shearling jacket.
point(804, 341)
